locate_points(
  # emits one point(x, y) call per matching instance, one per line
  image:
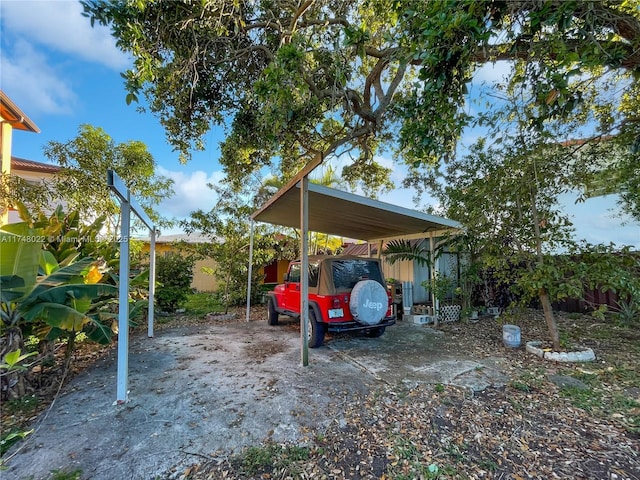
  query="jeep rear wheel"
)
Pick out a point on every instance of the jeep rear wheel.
point(272, 313)
point(315, 331)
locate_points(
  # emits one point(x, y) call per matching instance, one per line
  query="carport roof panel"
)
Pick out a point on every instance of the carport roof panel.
point(345, 214)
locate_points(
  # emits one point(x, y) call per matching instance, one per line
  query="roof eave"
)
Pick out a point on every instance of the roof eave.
point(11, 114)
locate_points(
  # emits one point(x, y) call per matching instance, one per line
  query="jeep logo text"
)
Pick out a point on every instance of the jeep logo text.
point(372, 305)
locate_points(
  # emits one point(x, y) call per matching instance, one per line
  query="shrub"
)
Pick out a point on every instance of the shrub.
point(174, 274)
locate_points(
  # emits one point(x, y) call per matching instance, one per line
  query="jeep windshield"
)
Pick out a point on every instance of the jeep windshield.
point(346, 273)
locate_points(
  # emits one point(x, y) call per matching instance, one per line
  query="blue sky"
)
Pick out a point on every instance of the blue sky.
point(62, 73)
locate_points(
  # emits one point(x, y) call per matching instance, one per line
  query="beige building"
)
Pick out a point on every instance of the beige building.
point(33, 173)
point(167, 244)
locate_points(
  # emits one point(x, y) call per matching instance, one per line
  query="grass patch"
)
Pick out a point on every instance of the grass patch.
point(202, 303)
point(489, 465)
point(26, 404)
point(408, 463)
point(529, 381)
point(520, 386)
point(405, 449)
point(66, 475)
point(625, 375)
point(605, 400)
point(586, 399)
point(267, 458)
point(602, 332)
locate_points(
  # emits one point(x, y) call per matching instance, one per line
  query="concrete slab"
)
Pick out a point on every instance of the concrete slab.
point(413, 353)
point(209, 391)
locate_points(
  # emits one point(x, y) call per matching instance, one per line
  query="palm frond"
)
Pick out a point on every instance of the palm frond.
point(400, 250)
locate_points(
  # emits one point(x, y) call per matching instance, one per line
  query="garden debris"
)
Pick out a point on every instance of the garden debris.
point(362, 428)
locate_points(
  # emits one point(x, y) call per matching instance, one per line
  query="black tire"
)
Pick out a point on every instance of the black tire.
point(315, 331)
point(272, 313)
point(376, 332)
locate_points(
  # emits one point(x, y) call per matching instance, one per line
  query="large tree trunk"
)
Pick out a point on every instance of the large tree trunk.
point(550, 319)
point(12, 384)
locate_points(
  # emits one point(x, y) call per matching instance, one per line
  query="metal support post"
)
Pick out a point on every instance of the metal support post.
point(304, 270)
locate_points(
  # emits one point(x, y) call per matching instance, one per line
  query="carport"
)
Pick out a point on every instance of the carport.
point(310, 207)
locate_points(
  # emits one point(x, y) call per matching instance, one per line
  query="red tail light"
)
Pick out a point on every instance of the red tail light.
point(336, 302)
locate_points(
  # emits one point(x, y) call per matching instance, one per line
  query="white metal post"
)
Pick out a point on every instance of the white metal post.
point(123, 305)
point(128, 204)
point(250, 271)
point(304, 270)
point(152, 281)
point(434, 271)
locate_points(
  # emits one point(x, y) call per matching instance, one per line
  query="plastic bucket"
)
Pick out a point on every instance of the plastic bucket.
point(511, 336)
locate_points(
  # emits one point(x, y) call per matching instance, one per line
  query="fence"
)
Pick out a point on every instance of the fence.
point(591, 301)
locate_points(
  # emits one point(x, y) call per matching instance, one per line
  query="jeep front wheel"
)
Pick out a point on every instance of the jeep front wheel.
point(315, 331)
point(272, 313)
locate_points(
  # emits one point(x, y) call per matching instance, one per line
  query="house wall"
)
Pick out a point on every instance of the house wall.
point(202, 282)
point(6, 131)
point(33, 178)
point(406, 271)
point(11, 118)
point(274, 272)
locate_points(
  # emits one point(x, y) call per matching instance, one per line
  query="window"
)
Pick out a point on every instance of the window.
point(346, 273)
point(313, 274)
point(294, 273)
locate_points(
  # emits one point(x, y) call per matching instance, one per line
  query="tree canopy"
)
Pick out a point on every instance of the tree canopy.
point(81, 183)
point(294, 80)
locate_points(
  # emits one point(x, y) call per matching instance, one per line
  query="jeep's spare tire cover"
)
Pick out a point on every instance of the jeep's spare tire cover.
point(369, 302)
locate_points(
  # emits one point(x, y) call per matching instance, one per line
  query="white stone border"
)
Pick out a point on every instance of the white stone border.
point(585, 355)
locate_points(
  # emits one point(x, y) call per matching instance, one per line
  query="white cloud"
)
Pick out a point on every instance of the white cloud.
point(60, 26)
point(191, 192)
point(32, 83)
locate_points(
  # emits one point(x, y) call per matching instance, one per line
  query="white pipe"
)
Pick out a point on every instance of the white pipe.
point(152, 282)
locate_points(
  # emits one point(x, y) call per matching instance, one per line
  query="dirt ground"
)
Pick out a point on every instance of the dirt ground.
point(230, 399)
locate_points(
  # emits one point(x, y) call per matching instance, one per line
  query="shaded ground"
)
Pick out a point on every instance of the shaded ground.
point(213, 399)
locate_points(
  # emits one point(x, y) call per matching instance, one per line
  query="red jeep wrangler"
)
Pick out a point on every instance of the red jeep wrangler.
point(346, 293)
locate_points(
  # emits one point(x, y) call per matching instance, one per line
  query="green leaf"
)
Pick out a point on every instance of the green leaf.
point(21, 247)
point(142, 279)
point(98, 332)
point(48, 262)
point(13, 358)
point(57, 315)
point(11, 288)
point(405, 250)
point(79, 296)
point(70, 274)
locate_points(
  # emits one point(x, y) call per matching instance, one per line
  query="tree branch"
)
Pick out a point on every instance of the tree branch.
point(522, 51)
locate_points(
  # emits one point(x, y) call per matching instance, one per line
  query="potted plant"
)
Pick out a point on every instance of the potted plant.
point(447, 295)
point(470, 313)
point(469, 280)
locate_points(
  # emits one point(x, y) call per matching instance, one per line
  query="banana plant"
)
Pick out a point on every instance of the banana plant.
point(62, 302)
